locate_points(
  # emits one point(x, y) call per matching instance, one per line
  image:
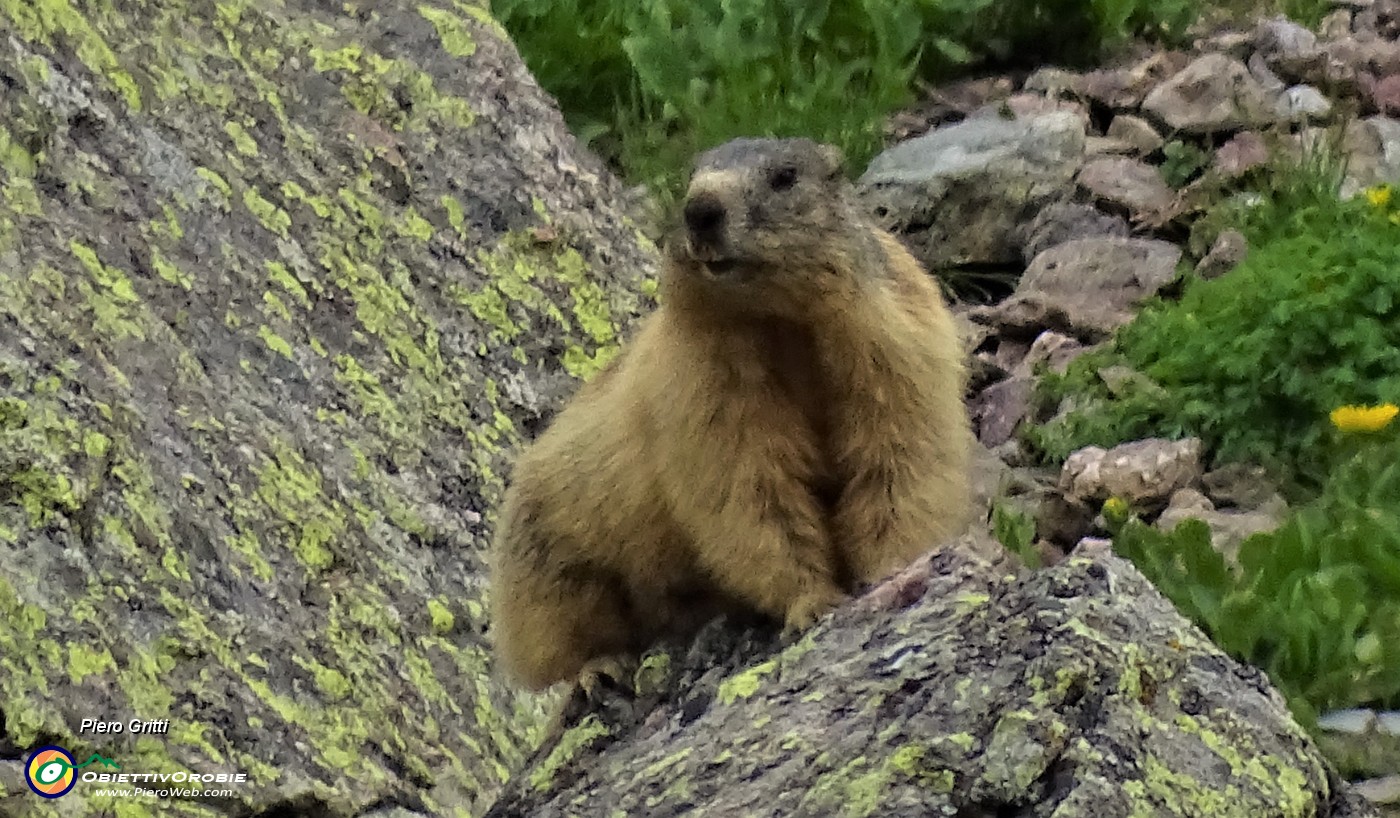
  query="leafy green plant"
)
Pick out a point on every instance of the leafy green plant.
point(1015, 530)
point(1181, 161)
point(649, 84)
point(1316, 604)
point(1250, 362)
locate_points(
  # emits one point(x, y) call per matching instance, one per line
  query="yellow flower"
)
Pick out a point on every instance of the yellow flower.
point(1364, 418)
point(1115, 508)
point(1378, 196)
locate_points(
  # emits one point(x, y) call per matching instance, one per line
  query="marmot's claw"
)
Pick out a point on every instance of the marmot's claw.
point(807, 610)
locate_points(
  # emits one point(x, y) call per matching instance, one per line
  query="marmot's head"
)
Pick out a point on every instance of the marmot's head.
point(759, 208)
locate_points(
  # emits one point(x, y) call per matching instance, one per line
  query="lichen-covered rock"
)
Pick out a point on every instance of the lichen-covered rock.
point(954, 690)
point(280, 286)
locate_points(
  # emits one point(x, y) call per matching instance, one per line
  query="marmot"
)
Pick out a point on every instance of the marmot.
point(786, 426)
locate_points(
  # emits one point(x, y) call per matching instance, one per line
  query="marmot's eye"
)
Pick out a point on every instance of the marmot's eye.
point(783, 178)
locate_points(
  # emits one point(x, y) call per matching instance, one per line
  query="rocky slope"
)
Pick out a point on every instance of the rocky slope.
point(279, 285)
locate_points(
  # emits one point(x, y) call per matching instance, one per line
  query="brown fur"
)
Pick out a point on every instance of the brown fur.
point(786, 426)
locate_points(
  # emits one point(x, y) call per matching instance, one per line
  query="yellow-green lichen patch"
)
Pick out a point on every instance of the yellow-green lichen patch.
point(242, 141)
point(168, 272)
point(275, 342)
point(852, 790)
point(269, 215)
point(1021, 746)
point(113, 300)
point(570, 745)
point(38, 21)
point(441, 617)
point(745, 683)
point(451, 29)
point(311, 522)
point(911, 761)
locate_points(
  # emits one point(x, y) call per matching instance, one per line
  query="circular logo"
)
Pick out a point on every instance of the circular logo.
point(49, 771)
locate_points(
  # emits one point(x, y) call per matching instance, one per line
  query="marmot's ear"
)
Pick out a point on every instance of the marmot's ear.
point(832, 159)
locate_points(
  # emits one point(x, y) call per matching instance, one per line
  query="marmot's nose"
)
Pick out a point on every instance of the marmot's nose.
point(704, 215)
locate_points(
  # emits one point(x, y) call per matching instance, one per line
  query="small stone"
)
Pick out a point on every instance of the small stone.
point(1184, 503)
point(1335, 25)
point(1030, 106)
point(1390, 722)
point(1303, 103)
point(1225, 254)
point(1053, 351)
point(1106, 146)
point(1281, 37)
point(1352, 722)
point(1214, 93)
point(1240, 484)
point(1268, 80)
point(1067, 221)
point(1385, 94)
point(999, 409)
point(1051, 81)
point(1233, 43)
point(1087, 287)
point(961, 194)
point(1380, 18)
point(1144, 472)
point(1115, 88)
point(1124, 380)
point(1093, 547)
point(1135, 131)
point(1128, 183)
point(1372, 148)
point(1244, 152)
point(1384, 791)
point(1228, 529)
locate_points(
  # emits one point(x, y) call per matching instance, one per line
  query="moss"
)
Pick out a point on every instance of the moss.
point(652, 672)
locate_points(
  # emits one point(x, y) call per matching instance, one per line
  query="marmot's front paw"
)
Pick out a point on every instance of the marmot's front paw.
point(604, 684)
point(605, 673)
point(805, 612)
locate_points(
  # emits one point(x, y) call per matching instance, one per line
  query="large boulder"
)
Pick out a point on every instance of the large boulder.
point(280, 285)
point(964, 193)
point(954, 690)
